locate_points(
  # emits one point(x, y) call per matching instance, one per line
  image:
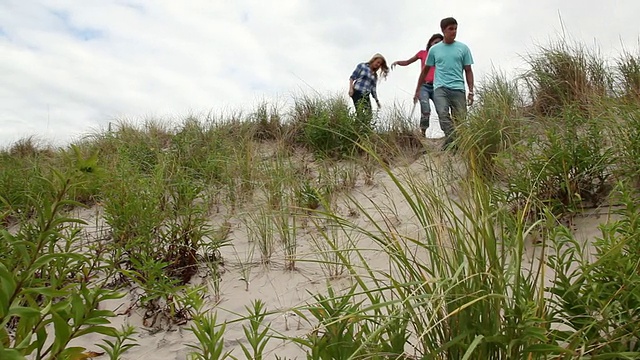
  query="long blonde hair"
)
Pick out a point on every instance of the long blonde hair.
point(384, 68)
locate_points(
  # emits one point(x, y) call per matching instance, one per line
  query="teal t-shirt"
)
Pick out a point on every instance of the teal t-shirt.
point(449, 60)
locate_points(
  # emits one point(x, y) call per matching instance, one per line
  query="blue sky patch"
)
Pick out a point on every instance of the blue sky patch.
point(80, 33)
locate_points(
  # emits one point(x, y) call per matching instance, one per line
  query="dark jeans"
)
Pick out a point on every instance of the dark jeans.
point(362, 104)
point(451, 106)
point(426, 94)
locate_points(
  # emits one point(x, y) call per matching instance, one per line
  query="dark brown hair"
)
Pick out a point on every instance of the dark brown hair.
point(433, 37)
point(444, 23)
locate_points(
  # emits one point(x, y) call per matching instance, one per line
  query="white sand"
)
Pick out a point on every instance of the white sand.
point(280, 289)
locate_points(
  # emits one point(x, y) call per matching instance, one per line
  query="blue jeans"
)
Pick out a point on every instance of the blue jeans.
point(451, 106)
point(426, 94)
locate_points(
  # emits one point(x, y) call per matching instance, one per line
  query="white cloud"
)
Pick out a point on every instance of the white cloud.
point(67, 67)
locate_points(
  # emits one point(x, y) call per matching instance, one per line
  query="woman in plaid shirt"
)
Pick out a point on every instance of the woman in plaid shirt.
point(363, 80)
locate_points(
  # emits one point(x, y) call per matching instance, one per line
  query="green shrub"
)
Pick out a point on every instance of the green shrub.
point(48, 293)
point(598, 296)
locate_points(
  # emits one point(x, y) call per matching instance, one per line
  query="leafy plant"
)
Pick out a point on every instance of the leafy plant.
point(339, 333)
point(210, 336)
point(256, 337)
point(48, 284)
point(122, 343)
point(599, 299)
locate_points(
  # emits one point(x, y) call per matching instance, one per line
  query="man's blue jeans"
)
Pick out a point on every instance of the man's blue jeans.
point(451, 106)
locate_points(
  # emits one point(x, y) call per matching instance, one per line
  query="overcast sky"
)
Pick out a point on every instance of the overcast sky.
point(69, 67)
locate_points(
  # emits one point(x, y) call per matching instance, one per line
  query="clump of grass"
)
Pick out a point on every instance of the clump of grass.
point(344, 327)
point(395, 136)
point(15, 191)
point(267, 121)
point(309, 196)
point(287, 228)
point(30, 147)
point(246, 264)
point(627, 146)
point(566, 75)
point(566, 169)
point(334, 246)
point(628, 75)
point(261, 231)
point(495, 124)
point(327, 126)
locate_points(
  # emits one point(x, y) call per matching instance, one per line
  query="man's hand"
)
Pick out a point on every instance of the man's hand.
point(378, 103)
point(416, 97)
point(470, 98)
point(350, 92)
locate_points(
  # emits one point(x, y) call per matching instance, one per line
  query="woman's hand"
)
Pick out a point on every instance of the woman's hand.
point(394, 64)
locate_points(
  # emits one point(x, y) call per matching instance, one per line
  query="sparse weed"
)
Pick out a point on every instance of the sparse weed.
point(260, 228)
point(287, 227)
point(334, 245)
point(246, 264)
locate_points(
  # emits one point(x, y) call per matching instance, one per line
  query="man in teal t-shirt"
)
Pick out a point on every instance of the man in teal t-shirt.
point(451, 58)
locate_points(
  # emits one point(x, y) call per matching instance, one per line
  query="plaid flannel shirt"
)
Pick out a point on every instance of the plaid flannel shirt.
point(364, 80)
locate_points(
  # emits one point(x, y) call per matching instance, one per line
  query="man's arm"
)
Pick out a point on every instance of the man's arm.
point(350, 87)
point(468, 73)
point(405, 62)
point(423, 74)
